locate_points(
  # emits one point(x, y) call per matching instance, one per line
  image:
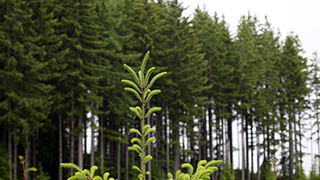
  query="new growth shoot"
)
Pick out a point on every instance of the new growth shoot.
point(140, 87)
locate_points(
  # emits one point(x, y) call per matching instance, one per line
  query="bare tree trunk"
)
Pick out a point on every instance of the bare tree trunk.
point(118, 160)
point(15, 154)
point(296, 148)
point(247, 147)
point(92, 141)
point(252, 149)
point(71, 159)
point(60, 148)
point(204, 139)
point(34, 154)
point(230, 141)
point(243, 149)
point(27, 156)
point(126, 157)
point(300, 137)
point(102, 145)
point(80, 150)
point(210, 131)
point(167, 138)
point(258, 152)
point(218, 138)
point(291, 148)
point(10, 152)
point(176, 137)
point(84, 142)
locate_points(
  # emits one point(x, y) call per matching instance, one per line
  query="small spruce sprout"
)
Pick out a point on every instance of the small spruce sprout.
point(25, 171)
point(140, 87)
point(273, 161)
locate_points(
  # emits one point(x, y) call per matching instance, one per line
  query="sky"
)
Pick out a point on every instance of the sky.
point(302, 17)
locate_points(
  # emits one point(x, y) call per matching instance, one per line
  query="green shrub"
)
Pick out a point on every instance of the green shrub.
point(4, 165)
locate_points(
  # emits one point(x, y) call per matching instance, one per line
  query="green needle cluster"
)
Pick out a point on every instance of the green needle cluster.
point(204, 170)
point(140, 88)
point(85, 174)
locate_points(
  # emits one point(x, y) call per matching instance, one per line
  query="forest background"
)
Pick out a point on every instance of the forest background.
point(286, 16)
point(61, 67)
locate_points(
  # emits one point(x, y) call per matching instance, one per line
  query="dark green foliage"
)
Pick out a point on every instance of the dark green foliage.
point(4, 165)
point(267, 171)
point(313, 173)
point(227, 172)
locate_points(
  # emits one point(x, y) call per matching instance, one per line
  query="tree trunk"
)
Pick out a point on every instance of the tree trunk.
point(84, 142)
point(167, 139)
point(204, 139)
point(34, 154)
point(92, 141)
point(210, 131)
point(291, 148)
point(296, 148)
point(300, 139)
point(252, 149)
point(101, 145)
point(15, 154)
point(80, 146)
point(27, 156)
point(243, 149)
point(230, 141)
point(71, 159)
point(247, 146)
point(176, 137)
point(218, 137)
point(10, 152)
point(60, 148)
point(118, 160)
point(126, 157)
point(258, 152)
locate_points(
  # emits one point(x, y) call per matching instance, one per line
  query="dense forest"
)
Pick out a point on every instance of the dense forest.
point(249, 95)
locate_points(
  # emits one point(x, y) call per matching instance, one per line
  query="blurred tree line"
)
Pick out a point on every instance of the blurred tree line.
point(61, 63)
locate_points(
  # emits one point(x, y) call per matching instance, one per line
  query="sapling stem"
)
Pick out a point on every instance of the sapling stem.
point(143, 142)
point(275, 166)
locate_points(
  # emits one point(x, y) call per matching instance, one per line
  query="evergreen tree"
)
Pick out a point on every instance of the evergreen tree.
point(187, 67)
point(293, 78)
point(218, 47)
point(251, 70)
point(24, 95)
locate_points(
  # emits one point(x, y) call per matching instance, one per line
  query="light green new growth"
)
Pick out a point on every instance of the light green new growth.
point(202, 172)
point(85, 174)
point(25, 171)
point(141, 90)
